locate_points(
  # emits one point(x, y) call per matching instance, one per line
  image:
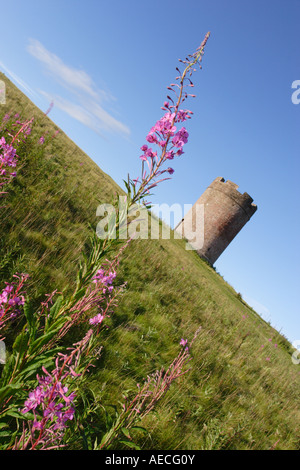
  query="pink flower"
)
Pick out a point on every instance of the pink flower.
point(105, 278)
point(169, 155)
point(97, 320)
point(51, 396)
point(9, 156)
point(149, 152)
point(183, 115)
point(151, 139)
point(163, 127)
point(183, 342)
point(180, 138)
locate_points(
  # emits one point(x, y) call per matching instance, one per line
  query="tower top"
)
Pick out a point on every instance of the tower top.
point(231, 190)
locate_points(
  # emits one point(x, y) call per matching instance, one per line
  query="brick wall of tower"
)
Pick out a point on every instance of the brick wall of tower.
point(226, 211)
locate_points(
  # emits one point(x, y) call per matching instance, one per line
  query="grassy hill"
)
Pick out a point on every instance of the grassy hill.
point(242, 389)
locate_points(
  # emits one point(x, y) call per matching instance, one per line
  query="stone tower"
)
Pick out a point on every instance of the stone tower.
point(216, 218)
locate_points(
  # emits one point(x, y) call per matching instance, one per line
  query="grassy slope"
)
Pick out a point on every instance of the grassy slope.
point(52, 201)
point(233, 398)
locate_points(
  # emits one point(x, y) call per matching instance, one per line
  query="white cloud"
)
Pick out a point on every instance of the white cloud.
point(87, 107)
point(70, 76)
point(107, 120)
point(74, 110)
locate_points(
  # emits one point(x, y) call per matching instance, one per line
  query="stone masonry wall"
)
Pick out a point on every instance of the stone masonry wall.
point(226, 211)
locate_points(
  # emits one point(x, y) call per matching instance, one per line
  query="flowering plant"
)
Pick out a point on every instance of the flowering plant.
point(11, 299)
point(168, 139)
point(45, 402)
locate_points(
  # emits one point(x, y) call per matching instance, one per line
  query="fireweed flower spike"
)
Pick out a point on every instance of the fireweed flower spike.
point(11, 299)
point(152, 390)
point(8, 151)
point(8, 158)
point(52, 407)
point(164, 134)
point(51, 402)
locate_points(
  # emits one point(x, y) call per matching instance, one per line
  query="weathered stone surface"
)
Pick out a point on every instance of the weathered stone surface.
point(226, 211)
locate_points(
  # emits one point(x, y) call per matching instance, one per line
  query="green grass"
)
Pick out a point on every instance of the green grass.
point(51, 203)
point(233, 397)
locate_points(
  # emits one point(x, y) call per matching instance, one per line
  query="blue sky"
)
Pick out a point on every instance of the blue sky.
point(106, 65)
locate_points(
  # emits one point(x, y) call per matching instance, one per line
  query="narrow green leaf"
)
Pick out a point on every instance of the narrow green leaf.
point(139, 428)
point(126, 433)
point(9, 390)
point(15, 414)
point(20, 345)
point(36, 364)
point(130, 444)
point(29, 315)
point(43, 340)
point(55, 307)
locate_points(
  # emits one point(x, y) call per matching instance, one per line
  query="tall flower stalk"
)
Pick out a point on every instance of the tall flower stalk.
point(164, 133)
point(154, 388)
